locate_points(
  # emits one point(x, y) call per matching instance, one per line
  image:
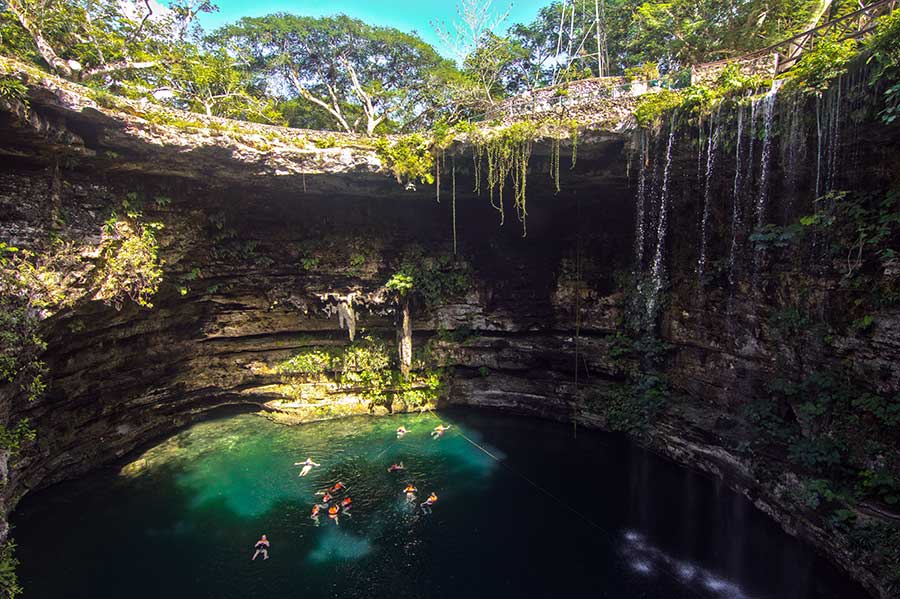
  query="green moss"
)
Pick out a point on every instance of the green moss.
point(13, 90)
point(730, 85)
point(366, 367)
point(650, 108)
point(645, 72)
point(325, 142)
point(310, 362)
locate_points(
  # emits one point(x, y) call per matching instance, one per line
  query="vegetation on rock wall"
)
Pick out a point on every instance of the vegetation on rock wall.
point(35, 285)
point(431, 280)
point(366, 367)
point(130, 267)
point(731, 86)
point(9, 582)
point(408, 157)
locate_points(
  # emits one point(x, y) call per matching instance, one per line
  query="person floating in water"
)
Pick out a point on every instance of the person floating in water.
point(346, 504)
point(426, 505)
point(315, 511)
point(307, 466)
point(333, 513)
point(396, 467)
point(439, 430)
point(337, 488)
point(262, 547)
point(410, 491)
point(401, 431)
point(326, 498)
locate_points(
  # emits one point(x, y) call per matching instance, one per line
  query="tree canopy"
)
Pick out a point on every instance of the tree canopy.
point(361, 75)
point(340, 73)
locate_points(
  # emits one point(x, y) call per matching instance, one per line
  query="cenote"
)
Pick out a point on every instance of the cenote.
point(643, 255)
point(554, 514)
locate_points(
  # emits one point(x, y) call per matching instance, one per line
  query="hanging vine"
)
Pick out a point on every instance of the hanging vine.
point(555, 151)
point(504, 153)
point(453, 202)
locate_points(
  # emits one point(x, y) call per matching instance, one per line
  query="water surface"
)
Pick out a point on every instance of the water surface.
point(524, 510)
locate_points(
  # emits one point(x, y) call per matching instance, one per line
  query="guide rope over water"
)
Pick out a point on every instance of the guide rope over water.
point(543, 490)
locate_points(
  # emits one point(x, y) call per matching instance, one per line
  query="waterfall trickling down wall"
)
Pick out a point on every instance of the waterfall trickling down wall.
point(658, 270)
point(711, 151)
point(768, 120)
point(639, 233)
point(705, 214)
point(764, 160)
point(736, 193)
point(828, 134)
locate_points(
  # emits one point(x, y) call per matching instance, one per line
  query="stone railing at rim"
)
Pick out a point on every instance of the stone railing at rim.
point(605, 99)
point(598, 99)
point(765, 65)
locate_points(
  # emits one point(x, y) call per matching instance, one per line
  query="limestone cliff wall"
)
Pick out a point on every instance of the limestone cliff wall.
point(261, 245)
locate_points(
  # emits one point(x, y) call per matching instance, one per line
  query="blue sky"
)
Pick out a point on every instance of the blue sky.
point(406, 15)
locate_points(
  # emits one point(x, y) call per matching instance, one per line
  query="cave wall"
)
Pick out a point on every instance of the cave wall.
point(236, 295)
point(254, 265)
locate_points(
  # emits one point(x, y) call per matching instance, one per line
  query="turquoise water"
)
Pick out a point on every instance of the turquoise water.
point(547, 515)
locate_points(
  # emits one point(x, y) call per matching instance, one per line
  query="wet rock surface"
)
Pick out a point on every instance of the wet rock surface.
point(262, 243)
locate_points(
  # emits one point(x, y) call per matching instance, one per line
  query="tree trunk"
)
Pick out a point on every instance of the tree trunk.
point(404, 337)
point(43, 46)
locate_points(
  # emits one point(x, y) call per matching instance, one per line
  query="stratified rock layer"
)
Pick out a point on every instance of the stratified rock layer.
point(266, 238)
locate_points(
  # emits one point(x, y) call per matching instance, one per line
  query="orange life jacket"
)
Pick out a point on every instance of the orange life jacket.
point(346, 501)
point(432, 498)
point(333, 510)
point(410, 489)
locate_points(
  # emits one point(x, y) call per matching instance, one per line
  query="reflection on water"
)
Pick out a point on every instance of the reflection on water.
point(524, 510)
point(651, 561)
point(335, 544)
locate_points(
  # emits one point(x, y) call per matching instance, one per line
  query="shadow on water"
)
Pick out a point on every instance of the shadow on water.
point(594, 515)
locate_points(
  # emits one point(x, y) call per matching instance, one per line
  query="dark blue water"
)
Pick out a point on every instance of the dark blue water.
point(551, 516)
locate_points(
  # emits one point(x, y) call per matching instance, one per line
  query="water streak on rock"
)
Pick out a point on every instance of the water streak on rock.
point(711, 152)
point(658, 272)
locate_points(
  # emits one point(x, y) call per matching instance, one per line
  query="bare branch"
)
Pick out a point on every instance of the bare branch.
point(140, 28)
point(368, 108)
point(334, 110)
point(43, 46)
point(119, 65)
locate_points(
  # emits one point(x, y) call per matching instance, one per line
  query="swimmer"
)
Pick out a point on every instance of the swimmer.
point(307, 466)
point(338, 487)
point(401, 431)
point(315, 511)
point(327, 497)
point(333, 513)
point(439, 430)
point(262, 547)
point(346, 504)
point(397, 467)
point(426, 505)
point(410, 491)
